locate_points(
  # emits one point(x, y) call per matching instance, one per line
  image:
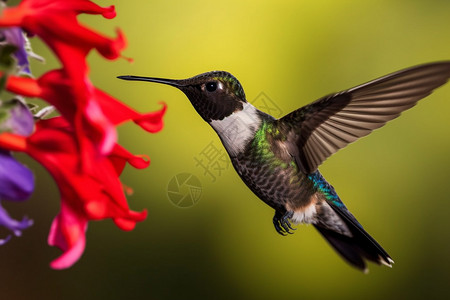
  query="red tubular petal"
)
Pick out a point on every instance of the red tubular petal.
point(120, 156)
point(138, 216)
point(13, 142)
point(118, 113)
point(152, 122)
point(111, 48)
point(109, 12)
point(27, 87)
point(139, 161)
point(89, 7)
point(11, 16)
point(80, 6)
point(129, 222)
point(124, 224)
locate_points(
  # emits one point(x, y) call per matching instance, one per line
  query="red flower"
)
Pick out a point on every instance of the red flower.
point(55, 21)
point(85, 195)
point(85, 134)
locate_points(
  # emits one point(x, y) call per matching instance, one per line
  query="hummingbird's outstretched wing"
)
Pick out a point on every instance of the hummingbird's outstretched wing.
point(318, 130)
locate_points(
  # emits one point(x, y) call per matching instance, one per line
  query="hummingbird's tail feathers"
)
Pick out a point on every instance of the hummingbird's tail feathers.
point(357, 247)
point(345, 247)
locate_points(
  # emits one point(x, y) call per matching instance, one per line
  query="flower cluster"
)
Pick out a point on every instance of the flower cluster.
point(79, 148)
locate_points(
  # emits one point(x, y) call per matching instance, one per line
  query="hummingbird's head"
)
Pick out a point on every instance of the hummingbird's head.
point(214, 95)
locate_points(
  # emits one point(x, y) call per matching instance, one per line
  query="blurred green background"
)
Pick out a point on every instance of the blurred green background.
point(225, 247)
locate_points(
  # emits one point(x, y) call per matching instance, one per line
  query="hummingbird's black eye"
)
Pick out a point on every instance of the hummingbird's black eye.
point(211, 86)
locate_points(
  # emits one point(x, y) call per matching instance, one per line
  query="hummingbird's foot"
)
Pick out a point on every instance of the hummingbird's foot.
point(281, 222)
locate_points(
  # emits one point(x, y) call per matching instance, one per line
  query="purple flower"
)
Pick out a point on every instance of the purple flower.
point(16, 184)
point(15, 226)
point(14, 36)
point(19, 119)
point(16, 180)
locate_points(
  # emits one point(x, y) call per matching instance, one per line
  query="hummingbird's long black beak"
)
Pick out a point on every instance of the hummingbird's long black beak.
point(172, 82)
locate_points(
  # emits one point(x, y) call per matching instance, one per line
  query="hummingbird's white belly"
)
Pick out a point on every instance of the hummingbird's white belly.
point(238, 128)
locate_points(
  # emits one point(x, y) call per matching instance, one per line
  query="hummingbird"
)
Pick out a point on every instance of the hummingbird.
point(278, 159)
